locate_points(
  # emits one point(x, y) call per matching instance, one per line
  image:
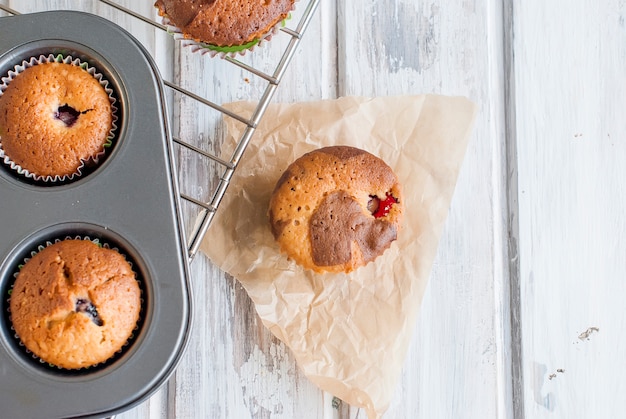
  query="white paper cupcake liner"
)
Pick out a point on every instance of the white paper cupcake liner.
point(33, 61)
point(39, 249)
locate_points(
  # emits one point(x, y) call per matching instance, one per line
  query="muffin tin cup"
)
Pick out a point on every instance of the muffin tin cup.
point(130, 200)
point(85, 164)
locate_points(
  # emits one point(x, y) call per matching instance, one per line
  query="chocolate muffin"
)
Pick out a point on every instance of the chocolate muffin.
point(75, 304)
point(224, 23)
point(54, 116)
point(336, 209)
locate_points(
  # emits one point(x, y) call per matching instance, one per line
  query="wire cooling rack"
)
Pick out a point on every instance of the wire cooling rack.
point(271, 81)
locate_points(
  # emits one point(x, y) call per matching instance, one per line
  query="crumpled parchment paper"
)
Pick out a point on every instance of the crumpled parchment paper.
point(349, 333)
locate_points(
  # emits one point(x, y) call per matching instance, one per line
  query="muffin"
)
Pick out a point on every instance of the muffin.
point(224, 25)
point(336, 209)
point(54, 117)
point(75, 304)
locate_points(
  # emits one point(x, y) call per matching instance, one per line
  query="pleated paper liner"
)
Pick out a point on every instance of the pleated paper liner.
point(39, 362)
point(87, 165)
point(204, 48)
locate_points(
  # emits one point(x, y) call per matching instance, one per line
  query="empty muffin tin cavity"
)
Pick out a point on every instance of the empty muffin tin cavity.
point(35, 243)
point(88, 58)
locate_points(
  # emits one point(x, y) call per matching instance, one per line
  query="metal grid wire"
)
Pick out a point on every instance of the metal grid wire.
point(272, 80)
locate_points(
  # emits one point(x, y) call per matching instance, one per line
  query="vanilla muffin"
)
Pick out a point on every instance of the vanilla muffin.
point(336, 209)
point(224, 23)
point(54, 116)
point(75, 304)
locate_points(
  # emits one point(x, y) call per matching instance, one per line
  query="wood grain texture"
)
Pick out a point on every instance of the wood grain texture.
point(234, 367)
point(571, 95)
point(459, 361)
point(457, 366)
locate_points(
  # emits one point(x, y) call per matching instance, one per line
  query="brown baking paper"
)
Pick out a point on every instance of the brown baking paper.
point(349, 333)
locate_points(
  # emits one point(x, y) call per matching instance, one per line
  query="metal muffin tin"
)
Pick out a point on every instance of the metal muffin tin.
point(129, 201)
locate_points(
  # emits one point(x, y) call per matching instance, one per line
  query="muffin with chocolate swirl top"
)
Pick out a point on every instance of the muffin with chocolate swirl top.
point(224, 23)
point(336, 209)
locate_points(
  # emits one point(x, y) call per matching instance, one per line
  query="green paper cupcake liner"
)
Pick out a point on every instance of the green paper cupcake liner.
point(222, 51)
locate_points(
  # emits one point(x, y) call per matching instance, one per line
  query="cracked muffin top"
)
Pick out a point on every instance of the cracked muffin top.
point(75, 304)
point(54, 117)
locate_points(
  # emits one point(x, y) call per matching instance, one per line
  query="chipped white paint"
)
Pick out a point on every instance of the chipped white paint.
point(570, 88)
point(260, 376)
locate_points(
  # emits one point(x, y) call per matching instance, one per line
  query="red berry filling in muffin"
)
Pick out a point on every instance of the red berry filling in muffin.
point(381, 207)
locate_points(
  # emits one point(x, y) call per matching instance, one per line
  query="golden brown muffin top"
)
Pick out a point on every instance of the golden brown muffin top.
point(52, 116)
point(75, 304)
point(336, 209)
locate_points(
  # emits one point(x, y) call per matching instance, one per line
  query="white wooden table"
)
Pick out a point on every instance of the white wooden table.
point(523, 316)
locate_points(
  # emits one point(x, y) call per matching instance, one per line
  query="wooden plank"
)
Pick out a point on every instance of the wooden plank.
point(234, 367)
point(570, 97)
point(457, 365)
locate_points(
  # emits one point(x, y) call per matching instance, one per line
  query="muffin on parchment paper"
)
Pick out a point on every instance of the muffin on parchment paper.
point(336, 209)
point(75, 303)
